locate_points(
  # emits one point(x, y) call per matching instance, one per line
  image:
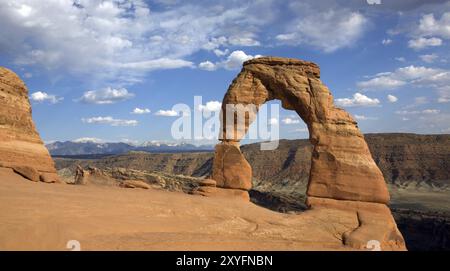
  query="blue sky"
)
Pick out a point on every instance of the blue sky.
point(112, 70)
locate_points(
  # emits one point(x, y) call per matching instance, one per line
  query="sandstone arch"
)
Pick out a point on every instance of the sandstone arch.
point(342, 167)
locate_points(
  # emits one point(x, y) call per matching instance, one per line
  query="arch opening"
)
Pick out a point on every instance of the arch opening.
point(280, 176)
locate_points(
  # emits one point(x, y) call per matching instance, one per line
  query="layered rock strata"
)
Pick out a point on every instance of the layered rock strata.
point(21, 148)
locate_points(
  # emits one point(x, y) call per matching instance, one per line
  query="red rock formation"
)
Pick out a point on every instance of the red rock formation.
point(20, 144)
point(343, 174)
point(342, 167)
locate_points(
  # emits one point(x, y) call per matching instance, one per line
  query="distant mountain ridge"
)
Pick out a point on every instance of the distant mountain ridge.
point(87, 147)
point(403, 159)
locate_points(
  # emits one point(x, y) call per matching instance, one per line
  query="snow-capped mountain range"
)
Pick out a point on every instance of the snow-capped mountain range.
point(89, 146)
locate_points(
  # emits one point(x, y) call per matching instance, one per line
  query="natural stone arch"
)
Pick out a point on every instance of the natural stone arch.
point(342, 167)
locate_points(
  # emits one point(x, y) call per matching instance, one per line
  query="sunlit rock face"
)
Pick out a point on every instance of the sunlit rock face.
point(341, 167)
point(343, 175)
point(20, 144)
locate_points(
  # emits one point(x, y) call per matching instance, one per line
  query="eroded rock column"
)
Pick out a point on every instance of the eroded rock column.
point(21, 148)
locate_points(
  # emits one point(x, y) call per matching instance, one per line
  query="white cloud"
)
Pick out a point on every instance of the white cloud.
point(40, 96)
point(431, 111)
point(326, 29)
point(386, 41)
point(236, 58)
point(88, 139)
point(140, 111)
point(273, 121)
point(415, 75)
point(109, 121)
point(289, 121)
point(382, 82)
point(444, 94)
point(429, 26)
point(374, 2)
point(211, 106)
point(421, 43)
point(392, 98)
point(362, 117)
point(358, 99)
point(167, 113)
point(302, 130)
point(221, 53)
point(234, 61)
point(156, 64)
point(415, 112)
point(123, 40)
point(428, 58)
point(244, 40)
point(207, 66)
point(401, 59)
point(106, 96)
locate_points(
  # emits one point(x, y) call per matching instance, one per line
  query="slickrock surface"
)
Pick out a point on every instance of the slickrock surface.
point(37, 216)
point(20, 144)
point(341, 166)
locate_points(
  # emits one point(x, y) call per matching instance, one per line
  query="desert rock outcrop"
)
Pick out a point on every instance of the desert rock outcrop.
point(20, 145)
point(342, 166)
point(343, 175)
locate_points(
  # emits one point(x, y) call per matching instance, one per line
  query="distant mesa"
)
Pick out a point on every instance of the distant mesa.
point(21, 149)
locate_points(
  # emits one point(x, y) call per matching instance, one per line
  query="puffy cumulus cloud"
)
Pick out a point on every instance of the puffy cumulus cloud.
point(392, 98)
point(211, 106)
point(430, 31)
point(235, 60)
point(166, 113)
point(110, 121)
point(421, 43)
point(106, 96)
point(232, 62)
point(140, 111)
point(358, 99)
point(123, 40)
point(327, 29)
point(289, 121)
point(430, 58)
point(430, 26)
point(412, 75)
point(207, 66)
point(40, 97)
